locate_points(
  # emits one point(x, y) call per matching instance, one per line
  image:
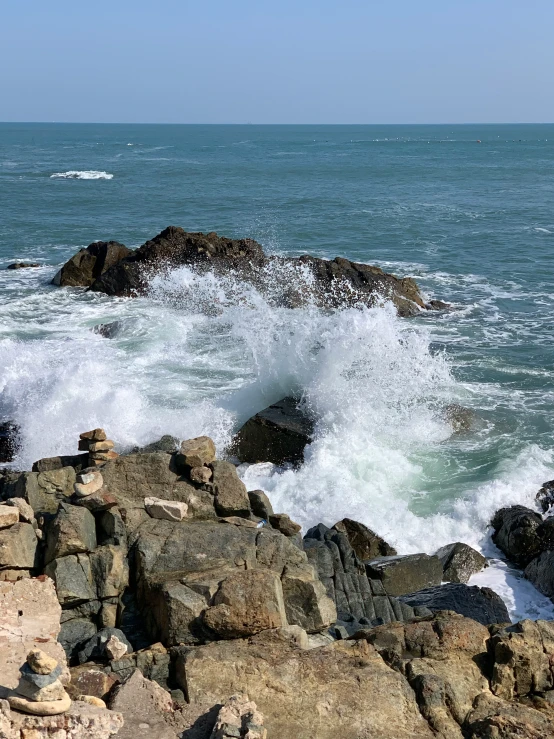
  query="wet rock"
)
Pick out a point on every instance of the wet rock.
point(545, 496)
point(231, 497)
point(90, 263)
point(167, 444)
point(540, 571)
point(72, 531)
point(9, 434)
point(402, 574)
point(461, 419)
point(515, 533)
point(365, 543)
point(278, 434)
point(460, 562)
point(108, 330)
point(22, 265)
point(481, 604)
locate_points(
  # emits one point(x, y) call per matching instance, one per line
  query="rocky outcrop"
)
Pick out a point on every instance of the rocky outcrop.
point(146, 708)
point(402, 574)
point(277, 434)
point(329, 283)
point(515, 533)
point(89, 264)
point(459, 562)
point(481, 604)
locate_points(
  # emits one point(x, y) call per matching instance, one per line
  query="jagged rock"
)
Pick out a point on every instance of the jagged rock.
point(18, 546)
point(8, 516)
point(72, 531)
point(344, 689)
point(541, 573)
point(87, 609)
point(95, 648)
point(247, 603)
point(29, 619)
point(402, 574)
point(459, 562)
point(239, 717)
point(74, 634)
point(283, 523)
point(110, 570)
point(260, 505)
point(365, 543)
point(306, 601)
point(277, 434)
point(73, 578)
point(492, 718)
point(167, 510)
point(515, 533)
point(88, 264)
point(108, 330)
point(196, 453)
point(231, 498)
point(111, 528)
point(481, 604)
point(545, 496)
point(146, 709)
point(461, 419)
point(167, 444)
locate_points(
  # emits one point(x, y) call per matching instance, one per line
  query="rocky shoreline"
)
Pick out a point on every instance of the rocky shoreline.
point(170, 601)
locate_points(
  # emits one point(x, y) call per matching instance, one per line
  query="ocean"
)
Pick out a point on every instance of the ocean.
point(466, 210)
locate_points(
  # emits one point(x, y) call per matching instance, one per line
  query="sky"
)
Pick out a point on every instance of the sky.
point(277, 61)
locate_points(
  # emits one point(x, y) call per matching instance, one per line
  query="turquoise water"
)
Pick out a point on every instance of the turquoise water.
point(472, 222)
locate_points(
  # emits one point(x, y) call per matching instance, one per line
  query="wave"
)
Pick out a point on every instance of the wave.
point(73, 174)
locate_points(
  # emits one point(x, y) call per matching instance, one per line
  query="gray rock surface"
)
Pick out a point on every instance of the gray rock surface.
point(480, 604)
point(460, 562)
point(402, 574)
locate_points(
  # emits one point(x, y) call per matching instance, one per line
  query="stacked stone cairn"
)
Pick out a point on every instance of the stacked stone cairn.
point(40, 691)
point(98, 446)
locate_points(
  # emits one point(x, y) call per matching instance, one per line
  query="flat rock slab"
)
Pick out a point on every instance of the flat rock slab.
point(481, 604)
point(405, 574)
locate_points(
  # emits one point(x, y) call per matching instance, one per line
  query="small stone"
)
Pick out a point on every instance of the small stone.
point(115, 648)
point(40, 662)
point(53, 692)
point(168, 510)
point(196, 452)
point(91, 700)
point(8, 516)
point(26, 513)
point(201, 475)
point(101, 446)
point(87, 476)
point(103, 456)
point(40, 681)
point(90, 483)
point(94, 435)
point(284, 524)
point(46, 708)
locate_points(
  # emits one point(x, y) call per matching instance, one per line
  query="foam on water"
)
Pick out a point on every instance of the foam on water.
point(74, 174)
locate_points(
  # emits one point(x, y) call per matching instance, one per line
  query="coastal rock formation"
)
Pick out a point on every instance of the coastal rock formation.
point(8, 441)
point(515, 533)
point(402, 574)
point(110, 268)
point(481, 604)
point(459, 562)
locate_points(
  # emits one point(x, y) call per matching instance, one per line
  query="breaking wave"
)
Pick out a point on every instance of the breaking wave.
point(74, 174)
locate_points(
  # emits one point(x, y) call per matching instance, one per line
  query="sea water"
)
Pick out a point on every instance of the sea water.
point(466, 210)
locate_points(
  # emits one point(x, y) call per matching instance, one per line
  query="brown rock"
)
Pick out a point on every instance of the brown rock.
point(492, 718)
point(196, 452)
point(365, 543)
point(80, 721)
point(101, 446)
point(18, 546)
point(8, 516)
point(283, 523)
point(43, 708)
point(231, 497)
point(146, 709)
point(40, 662)
point(94, 435)
point(89, 679)
point(306, 601)
point(200, 475)
point(92, 700)
point(103, 456)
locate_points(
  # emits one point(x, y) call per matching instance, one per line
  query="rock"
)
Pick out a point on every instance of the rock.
point(459, 562)
point(94, 435)
point(545, 496)
point(91, 700)
point(41, 663)
point(25, 511)
point(9, 434)
point(87, 609)
point(80, 721)
point(18, 546)
point(48, 464)
point(481, 604)
point(40, 681)
point(541, 573)
point(402, 574)
point(283, 523)
point(231, 498)
point(44, 491)
point(154, 664)
point(108, 330)
point(260, 505)
point(515, 533)
point(8, 516)
point(95, 648)
point(53, 692)
point(196, 452)
point(305, 694)
point(115, 648)
point(492, 718)
point(73, 578)
point(145, 707)
point(90, 263)
point(247, 603)
point(90, 679)
point(101, 446)
point(306, 601)
point(110, 570)
point(167, 443)
point(173, 613)
point(365, 543)
point(200, 475)
point(72, 531)
point(167, 510)
point(88, 482)
point(44, 708)
point(22, 265)
point(277, 434)
point(461, 419)
point(74, 634)
point(239, 717)
point(96, 457)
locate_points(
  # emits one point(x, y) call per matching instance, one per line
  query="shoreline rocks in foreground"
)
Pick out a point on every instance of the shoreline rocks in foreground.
point(111, 268)
point(187, 607)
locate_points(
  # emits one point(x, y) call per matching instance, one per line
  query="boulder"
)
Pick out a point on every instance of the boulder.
point(167, 510)
point(195, 453)
point(540, 571)
point(90, 679)
point(260, 504)
point(8, 516)
point(18, 547)
point(48, 464)
point(146, 709)
point(71, 531)
point(90, 263)
point(344, 689)
point(167, 443)
point(74, 634)
point(459, 562)
point(44, 491)
point(22, 265)
point(25, 512)
point(481, 604)
point(283, 523)
point(73, 578)
point(402, 574)
point(545, 496)
point(231, 498)
point(277, 434)
point(95, 647)
point(515, 533)
point(173, 611)
point(493, 718)
point(365, 543)
point(246, 603)
point(306, 601)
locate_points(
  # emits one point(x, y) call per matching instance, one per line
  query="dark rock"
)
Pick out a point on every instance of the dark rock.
point(9, 435)
point(284, 524)
point(73, 578)
point(438, 305)
point(22, 265)
point(71, 531)
point(461, 419)
point(108, 330)
point(167, 444)
point(459, 562)
point(515, 533)
point(540, 571)
point(95, 647)
point(48, 464)
point(87, 610)
point(405, 574)
point(365, 543)
point(278, 434)
point(260, 504)
point(90, 263)
point(74, 634)
point(545, 496)
point(480, 604)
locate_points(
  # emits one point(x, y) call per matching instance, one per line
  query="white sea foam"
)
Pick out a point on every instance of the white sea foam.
point(74, 174)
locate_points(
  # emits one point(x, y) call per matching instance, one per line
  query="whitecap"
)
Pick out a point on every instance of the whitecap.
point(74, 174)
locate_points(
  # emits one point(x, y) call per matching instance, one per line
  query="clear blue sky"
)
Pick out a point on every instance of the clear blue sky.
point(277, 61)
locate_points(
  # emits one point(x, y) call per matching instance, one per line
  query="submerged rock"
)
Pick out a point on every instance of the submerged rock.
point(23, 265)
point(278, 434)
